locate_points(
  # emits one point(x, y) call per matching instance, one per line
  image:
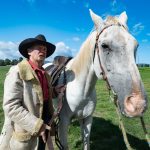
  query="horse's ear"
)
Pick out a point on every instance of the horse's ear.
point(96, 19)
point(123, 18)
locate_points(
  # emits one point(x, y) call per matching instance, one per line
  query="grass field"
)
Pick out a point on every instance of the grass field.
point(106, 134)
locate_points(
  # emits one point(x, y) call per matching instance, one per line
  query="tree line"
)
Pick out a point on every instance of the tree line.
point(5, 62)
point(143, 65)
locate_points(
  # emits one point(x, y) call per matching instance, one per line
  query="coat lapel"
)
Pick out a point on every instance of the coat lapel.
point(26, 73)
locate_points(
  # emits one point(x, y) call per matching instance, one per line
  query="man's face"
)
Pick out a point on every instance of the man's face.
point(37, 53)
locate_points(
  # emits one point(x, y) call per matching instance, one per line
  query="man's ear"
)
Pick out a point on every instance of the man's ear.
point(29, 50)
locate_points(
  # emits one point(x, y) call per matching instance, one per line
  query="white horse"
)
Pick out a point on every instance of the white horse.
point(108, 53)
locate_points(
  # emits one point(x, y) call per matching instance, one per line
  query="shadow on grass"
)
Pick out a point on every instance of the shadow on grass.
point(106, 136)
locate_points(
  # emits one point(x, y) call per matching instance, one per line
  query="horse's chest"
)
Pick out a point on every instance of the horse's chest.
point(80, 104)
point(85, 109)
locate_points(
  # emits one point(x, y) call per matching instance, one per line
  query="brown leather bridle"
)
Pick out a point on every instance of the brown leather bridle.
point(96, 49)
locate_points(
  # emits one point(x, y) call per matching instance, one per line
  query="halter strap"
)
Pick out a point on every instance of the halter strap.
point(98, 50)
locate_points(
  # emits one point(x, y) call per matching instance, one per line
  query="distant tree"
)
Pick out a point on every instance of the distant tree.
point(2, 63)
point(143, 65)
point(14, 62)
point(146, 65)
point(7, 61)
point(20, 59)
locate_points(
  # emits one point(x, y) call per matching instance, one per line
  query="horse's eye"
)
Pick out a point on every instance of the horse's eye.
point(104, 45)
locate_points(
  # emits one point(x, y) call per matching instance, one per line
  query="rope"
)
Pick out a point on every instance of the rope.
point(145, 131)
point(114, 99)
point(123, 129)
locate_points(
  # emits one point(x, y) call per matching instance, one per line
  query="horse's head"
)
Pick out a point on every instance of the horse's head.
point(114, 59)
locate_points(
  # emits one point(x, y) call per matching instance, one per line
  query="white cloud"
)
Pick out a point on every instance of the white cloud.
point(79, 29)
point(114, 3)
point(145, 40)
point(61, 50)
point(117, 6)
point(60, 46)
point(9, 50)
point(76, 39)
point(137, 28)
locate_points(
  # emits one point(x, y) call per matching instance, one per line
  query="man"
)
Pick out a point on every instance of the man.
point(28, 98)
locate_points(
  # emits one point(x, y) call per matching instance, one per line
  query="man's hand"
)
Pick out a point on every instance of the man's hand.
point(42, 131)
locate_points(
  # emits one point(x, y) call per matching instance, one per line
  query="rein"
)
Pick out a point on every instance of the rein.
point(114, 96)
point(55, 74)
point(55, 119)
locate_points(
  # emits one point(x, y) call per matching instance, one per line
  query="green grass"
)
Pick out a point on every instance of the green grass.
point(105, 134)
point(3, 71)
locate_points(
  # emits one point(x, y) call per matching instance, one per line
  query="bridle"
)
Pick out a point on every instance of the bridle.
point(96, 49)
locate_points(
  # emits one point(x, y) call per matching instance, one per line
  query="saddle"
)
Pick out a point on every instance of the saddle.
point(54, 71)
point(57, 68)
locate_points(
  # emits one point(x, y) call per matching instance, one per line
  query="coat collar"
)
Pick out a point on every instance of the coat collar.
point(26, 71)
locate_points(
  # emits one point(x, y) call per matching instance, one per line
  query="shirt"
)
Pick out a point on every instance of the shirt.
point(42, 78)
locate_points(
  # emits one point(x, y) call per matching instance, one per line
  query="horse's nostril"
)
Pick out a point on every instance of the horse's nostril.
point(104, 45)
point(134, 105)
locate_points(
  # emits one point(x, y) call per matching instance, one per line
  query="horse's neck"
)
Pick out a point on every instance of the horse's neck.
point(83, 61)
point(82, 64)
point(90, 82)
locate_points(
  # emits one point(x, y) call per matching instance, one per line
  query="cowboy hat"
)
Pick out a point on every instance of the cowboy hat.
point(39, 39)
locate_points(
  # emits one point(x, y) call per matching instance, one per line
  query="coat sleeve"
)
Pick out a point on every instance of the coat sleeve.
point(13, 100)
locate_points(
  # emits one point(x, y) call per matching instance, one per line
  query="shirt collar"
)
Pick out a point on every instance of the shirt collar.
point(35, 67)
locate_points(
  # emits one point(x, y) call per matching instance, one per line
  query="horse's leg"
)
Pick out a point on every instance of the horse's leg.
point(63, 130)
point(85, 125)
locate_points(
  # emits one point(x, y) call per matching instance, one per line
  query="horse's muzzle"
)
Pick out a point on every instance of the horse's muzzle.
point(134, 105)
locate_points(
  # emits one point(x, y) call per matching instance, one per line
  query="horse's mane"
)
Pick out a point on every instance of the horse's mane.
point(84, 55)
point(111, 20)
point(114, 20)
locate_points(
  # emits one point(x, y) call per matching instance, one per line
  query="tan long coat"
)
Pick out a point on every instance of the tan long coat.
point(23, 107)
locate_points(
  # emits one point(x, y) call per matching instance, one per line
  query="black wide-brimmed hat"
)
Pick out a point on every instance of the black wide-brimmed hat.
point(39, 39)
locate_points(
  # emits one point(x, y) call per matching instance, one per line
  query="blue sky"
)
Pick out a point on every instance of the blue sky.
point(67, 23)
